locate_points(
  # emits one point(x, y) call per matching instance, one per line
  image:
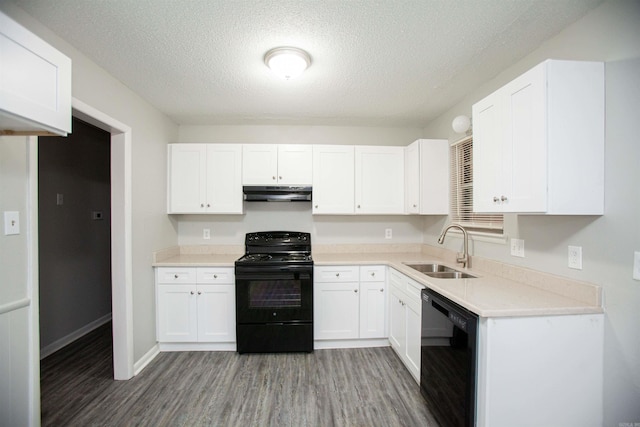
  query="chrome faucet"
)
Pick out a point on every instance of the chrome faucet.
point(464, 259)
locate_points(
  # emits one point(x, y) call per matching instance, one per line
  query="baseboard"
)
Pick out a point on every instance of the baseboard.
point(197, 346)
point(355, 343)
point(68, 339)
point(145, 360)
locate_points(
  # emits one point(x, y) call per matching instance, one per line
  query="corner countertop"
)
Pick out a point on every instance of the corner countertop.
point(498, 290)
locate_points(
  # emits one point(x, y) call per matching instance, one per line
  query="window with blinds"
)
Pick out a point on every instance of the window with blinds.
point(462, 192)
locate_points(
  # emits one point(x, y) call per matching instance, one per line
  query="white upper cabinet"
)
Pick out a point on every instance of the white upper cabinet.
point(539, 142)
point(35, 83)
point(379, 180)
point(276, 164)
point(333, 179)
point(205, 178)
point(427, 177)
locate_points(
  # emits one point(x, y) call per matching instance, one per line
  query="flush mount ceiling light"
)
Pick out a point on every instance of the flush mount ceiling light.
point(287, 62)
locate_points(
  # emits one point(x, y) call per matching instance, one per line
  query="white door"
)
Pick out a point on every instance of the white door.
point(224, 178)
point(379, 180)
point(373, 318)
point(333, 179)
point(397, 322)
point(216, 313)
point(259, 164)
point(412, 178)
point(177, 318)
point(413, 343)
point(187, 178)
point(336, 312)
point(295, 164)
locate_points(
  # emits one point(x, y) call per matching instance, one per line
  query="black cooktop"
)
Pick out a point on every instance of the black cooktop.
point(276, 247)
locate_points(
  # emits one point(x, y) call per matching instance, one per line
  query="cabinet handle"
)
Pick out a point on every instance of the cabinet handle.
point(373, 274)
point(316, 206)
point(273, 178)
point(215, 276)
point(199, 292)
point(495, 199)
point(415, 206)
point(175, 276)
point(358, 206)
point(337, 274)
point(202, 205)
point(192, 292)
point(381, 289)
point(503, 198)
point(355, 290)
point(280, 178)
point(208, 205)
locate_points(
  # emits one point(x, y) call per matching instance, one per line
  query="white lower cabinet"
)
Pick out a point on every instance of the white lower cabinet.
point(405, 320)
point(349, 302)
point(195, 305)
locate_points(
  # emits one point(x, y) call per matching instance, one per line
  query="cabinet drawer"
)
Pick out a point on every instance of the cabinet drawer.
point(216, 275)
point(406, 284)
point(372, 273)
point(176, 275)
point(346, 273)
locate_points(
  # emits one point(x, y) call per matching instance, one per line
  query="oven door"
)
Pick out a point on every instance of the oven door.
point(273, 294)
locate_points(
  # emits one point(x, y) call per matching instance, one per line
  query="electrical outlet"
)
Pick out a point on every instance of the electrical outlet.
point(517, 248)
point(388, 233)
point(575, 257)
point(636, 265)
point(206, 233)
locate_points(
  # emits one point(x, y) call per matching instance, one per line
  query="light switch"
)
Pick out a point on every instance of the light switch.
point(11, 223)
point(517, 248)
point(575, 257)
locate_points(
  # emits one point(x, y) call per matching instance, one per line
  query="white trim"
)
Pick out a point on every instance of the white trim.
point(146, 359)
point(197, 346)
point(15, 305)
point(355, 343)
point(121, 232)
point(33, 284)
point(78, 333)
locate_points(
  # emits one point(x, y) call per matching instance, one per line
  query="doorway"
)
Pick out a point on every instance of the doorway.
point(74, 211)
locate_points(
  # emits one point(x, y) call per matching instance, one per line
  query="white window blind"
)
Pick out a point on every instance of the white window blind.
point(462, 192)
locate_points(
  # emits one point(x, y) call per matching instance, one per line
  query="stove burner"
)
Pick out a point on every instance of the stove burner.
point(256, 257)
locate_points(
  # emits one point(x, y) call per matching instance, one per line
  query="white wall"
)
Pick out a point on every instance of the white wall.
point(151, 131)
point(610, 33)
point(263, 216)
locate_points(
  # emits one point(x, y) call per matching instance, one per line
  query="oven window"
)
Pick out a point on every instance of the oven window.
point(275, 294)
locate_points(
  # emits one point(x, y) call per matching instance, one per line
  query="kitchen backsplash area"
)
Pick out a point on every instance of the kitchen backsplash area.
point(324, 229)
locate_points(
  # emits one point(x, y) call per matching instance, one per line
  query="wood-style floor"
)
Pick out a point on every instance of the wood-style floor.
point(352, 387)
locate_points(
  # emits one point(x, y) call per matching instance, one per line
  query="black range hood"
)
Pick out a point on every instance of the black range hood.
point(276, 193)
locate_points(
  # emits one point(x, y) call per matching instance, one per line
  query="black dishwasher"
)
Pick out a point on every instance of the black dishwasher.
point(448, 360)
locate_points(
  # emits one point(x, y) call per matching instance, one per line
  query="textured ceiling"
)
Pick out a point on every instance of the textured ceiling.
point(374, 62)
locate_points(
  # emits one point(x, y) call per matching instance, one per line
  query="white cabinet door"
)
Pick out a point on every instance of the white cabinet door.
point(539, 142)
point(333, 179)
point(397, 322)
point(336, 310)
point(216, 313)
point(187, 178)
point(204, 178)
point(412, 178)
point(259, 164)
point(413, 349)
point(177, 313)
point(373, 303)
point(488, 154)
point(379, 180)
point(35, 83)
point(270, 164)
point(295, 164)
point(427, 177)
point(224, 178)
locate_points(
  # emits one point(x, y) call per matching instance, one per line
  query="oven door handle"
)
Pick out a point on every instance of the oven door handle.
point(273, 275)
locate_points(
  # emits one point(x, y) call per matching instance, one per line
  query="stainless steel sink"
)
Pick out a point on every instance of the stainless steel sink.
point(440, 271)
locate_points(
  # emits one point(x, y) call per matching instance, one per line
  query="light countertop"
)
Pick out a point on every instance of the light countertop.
point(499, 290)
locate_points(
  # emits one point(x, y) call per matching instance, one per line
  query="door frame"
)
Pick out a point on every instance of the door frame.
point(121, 232)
